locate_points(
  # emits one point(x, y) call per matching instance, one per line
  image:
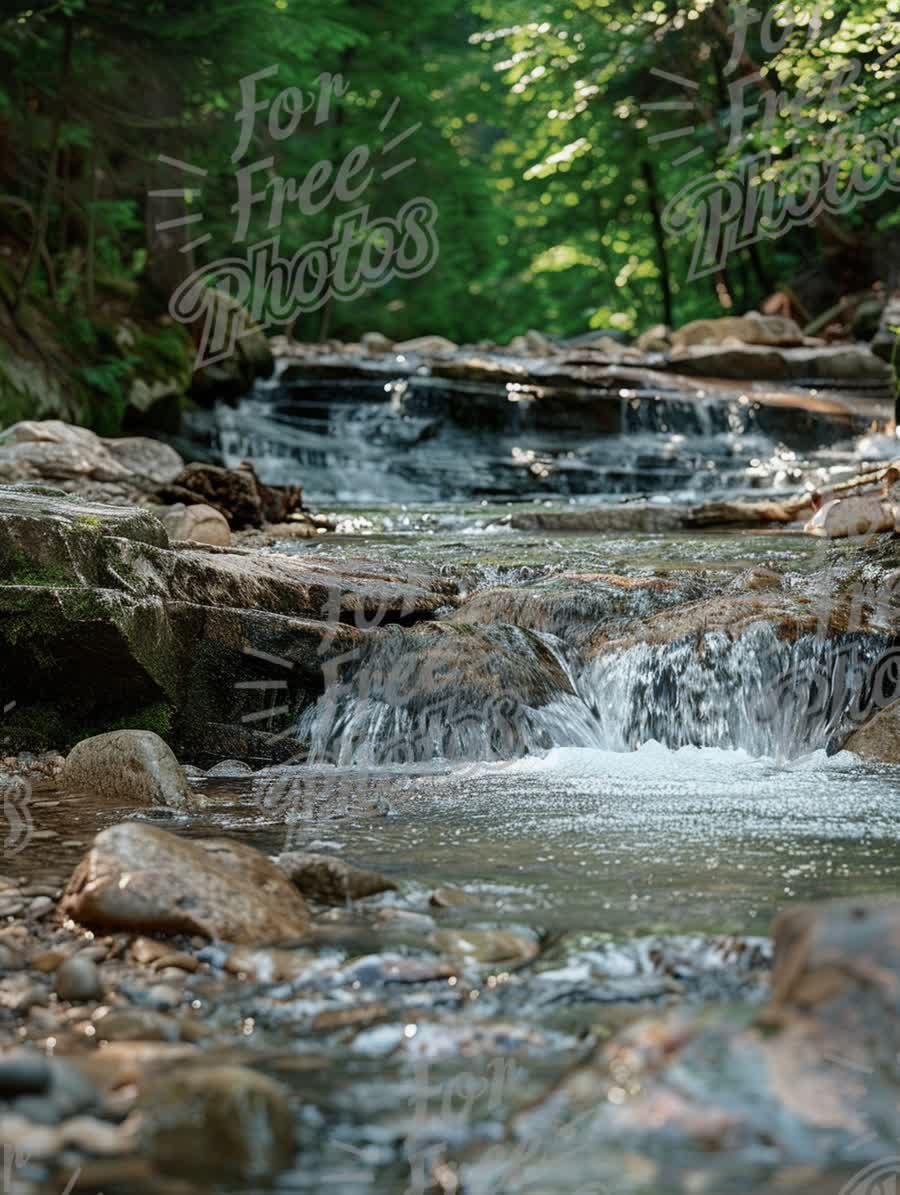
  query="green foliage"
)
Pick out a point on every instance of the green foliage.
point(550, 133)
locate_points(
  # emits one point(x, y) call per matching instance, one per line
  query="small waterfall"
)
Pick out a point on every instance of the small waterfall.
point(446, 692)
point(442, 691)
point(759, 693)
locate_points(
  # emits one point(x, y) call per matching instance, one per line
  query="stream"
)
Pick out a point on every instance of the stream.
point(636, 851)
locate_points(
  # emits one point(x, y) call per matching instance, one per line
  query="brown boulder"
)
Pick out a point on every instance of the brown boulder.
point(137, 877)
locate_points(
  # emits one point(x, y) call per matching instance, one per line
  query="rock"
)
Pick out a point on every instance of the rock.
point(843, 517)
point(485, 945)
point(137, 1024)
point(879, 738)
point(752, 328)
point(24, 1073)
point(853, 363)
point(331, 881)
point(627, 516)
point(139, 878)
point(237, 494)
point(426, 345)
point(657, 339)
point(885, 341)
point(40, 907)
point(78, 981)
point(200, 523)
point(128, 765)
point(217, 1124)
point(375, 342)
point(447, 897)
point(59, 451)
point(10, 959)
point(231, 767)
point(150, 459)
point(867, 319)
point(539, 344)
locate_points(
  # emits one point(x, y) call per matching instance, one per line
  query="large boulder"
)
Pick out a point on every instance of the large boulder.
point(139, 878)
point(127, 765)
point(807, 1089)
point(56, 451)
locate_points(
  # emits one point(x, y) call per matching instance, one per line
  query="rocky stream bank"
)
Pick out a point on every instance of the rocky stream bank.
point(192, 659)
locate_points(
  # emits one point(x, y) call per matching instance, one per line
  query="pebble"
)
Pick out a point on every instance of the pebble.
point(40, 906)
point(78, 980)
point(23, 1074)
point(10, 960)
point(163, 995)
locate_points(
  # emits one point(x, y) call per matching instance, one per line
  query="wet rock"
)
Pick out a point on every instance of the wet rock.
point(628, 516)
point(67, 1092)
point(486, 945)
point(233, 768)
point(845, 517)
point(198, 523)
point(331, 881)
point(752, 328)
point(128, 765)
point(733, 614)
point(447, 897)
point(215, 1124)
point(486, 682)
point(137, 1024)
point(78, 981)
point(268, 965)
point(138, 877)
point(879, 738)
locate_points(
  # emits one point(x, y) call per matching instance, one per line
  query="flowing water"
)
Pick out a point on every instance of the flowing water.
point(625, 809)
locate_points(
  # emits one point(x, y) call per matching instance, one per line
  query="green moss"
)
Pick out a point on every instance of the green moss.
point(158, 717)
point(17, 569)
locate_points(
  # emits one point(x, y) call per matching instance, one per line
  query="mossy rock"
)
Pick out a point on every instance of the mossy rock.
point(80, 660)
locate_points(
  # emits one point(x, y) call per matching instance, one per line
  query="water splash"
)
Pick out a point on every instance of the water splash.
point(500, 693)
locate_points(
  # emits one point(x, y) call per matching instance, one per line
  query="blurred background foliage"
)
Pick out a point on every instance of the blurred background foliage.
point(552, 136)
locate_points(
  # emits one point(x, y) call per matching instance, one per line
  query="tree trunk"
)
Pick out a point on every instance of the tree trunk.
point(661, 253)
point(39, 237)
